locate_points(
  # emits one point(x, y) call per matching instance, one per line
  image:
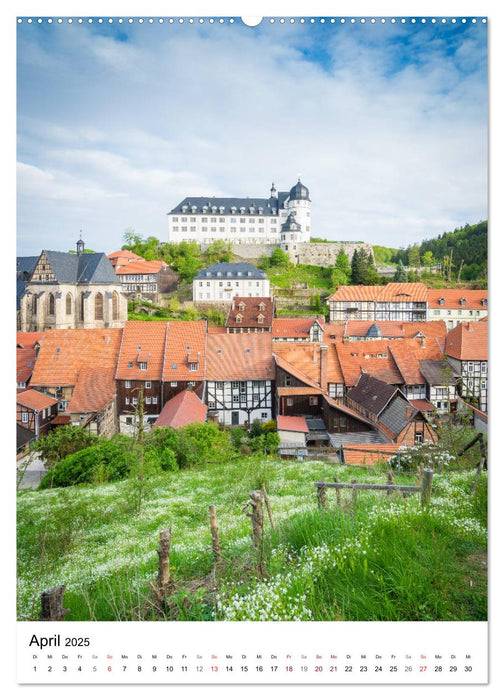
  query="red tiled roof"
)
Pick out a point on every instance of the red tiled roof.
point(393, 291)
point(355, 293)
point(468, 341)
point(250, 312)
point(452, 298)
point(142, 341)
point(122, 257)
point(185, 344)
point(61, 420)
point(298, 391)
point(95, 388)
point(362, 355)
point(26, 339)
point(371, 455)
point(182, 409)
point(294, 327)
point(216, 330)
point(396, 329)
point(141, 267)
point(333, 332)
point(239, 356)
point(408, 354)
point(421, 404)
point(65, 352)
point(35, 400)
point(292, 423)
point(25, 363)
point(81, 358)
point(305, 359)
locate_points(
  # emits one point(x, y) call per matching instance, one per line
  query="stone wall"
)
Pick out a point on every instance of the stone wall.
point(325, 254)
point(321, 254)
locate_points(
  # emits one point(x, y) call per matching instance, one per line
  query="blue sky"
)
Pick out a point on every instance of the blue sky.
point(386, 124)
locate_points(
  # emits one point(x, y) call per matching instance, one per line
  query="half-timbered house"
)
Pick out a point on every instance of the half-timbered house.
point(240, 378)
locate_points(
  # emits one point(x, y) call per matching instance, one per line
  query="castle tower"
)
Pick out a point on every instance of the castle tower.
point(299, 205)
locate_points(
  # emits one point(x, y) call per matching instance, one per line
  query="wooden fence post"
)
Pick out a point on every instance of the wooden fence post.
point(216, 548)
point(52, 605)
point(354, 494)
point(268, 507)
point(427, 487)
point(164, 581)
point(338, 492)
point(390, 480)
point(257, 517)
point(321, 495)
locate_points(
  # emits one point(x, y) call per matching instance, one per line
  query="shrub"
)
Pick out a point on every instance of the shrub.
point(106, 461)
point(61, 442)
point(269, 426)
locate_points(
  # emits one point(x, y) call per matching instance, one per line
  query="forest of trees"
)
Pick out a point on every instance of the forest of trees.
point(461, 253)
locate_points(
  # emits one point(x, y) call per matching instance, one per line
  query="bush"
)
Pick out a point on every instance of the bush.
point(106, 461)
point(269, 426)
point(61, 442)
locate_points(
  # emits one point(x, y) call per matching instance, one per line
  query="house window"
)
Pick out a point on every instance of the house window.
point(135, 401)
point(148, 399)
point(219, 385)
point(236, 398)
point(483, 367)
point(154, 399)
point(24, 418)
point(313, 400)
point(470, 367)
point(211, 404)
point(264, 415)
point(290, 402)
point(148, 384)
point(126, 400)
point(173, 383)
point(418, 438)
point(127, 384)
point(129, 420)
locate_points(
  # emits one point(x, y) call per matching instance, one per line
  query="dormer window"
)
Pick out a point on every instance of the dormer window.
point(221, 210)
point(484, 302)
point(249, 274)
point(241, 306)
point(260, 318)
point(184, 208)
point(463, 302)
point(142, 365)
point(441, 301)
point(193, 366)
point(194, 209)
point(262, 306)
point(238, 318)
point(233, 210)
point(205, 209)
point(242, 210)
point(214, 210)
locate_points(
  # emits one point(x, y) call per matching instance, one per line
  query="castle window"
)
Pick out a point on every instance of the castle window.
point(68, 304)
point(81, 307)
point(99, 307)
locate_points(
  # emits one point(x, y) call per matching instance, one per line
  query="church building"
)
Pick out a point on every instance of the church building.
point(282, 219)
point(72, 290)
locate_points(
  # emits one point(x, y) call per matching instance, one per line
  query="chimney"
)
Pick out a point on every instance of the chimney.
point(323, 368)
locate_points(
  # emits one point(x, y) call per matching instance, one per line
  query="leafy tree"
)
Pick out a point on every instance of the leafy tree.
point(414, 256)
point(279, 258)
point(428, 258)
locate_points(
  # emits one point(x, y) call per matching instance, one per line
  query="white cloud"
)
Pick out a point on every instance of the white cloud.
point(389, 137)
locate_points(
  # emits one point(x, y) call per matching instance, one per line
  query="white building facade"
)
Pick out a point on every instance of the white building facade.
point(243, 220)
point(223, 281)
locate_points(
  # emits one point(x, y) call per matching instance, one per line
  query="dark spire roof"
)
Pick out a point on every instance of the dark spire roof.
point(290, 224)
point(299, 191)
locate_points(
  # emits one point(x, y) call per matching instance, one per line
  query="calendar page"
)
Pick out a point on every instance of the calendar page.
point(252, 372)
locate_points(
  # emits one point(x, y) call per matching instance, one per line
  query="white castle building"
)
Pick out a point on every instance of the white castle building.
point(283, 219)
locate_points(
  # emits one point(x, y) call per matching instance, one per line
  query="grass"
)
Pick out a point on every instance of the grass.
point(315, 277)
point(385, 559)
